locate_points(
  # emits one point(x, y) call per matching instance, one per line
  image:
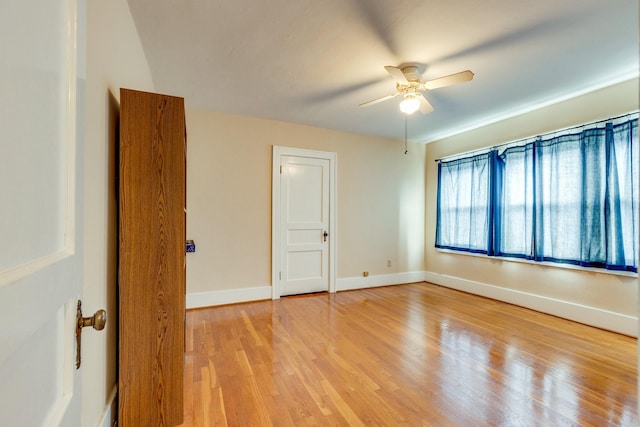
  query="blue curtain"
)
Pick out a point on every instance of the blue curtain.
point(622, 195)
point(516, 202)
point(463, 218)
point(570, 198)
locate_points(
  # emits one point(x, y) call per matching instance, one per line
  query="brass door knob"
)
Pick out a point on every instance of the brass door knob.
point(97, 321)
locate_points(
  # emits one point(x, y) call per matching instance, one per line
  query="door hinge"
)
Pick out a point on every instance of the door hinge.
point(280, 275)
point(280, 169)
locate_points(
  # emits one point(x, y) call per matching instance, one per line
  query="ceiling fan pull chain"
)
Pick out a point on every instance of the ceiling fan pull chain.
point(405, 135)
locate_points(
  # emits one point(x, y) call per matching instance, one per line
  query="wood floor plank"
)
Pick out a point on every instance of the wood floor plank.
point(406, 355)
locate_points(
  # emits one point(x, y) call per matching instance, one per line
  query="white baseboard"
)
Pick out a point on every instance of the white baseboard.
point(110, 411)
point(228, 296)
point(351, 283)
point(233, 296)
point(604, 319)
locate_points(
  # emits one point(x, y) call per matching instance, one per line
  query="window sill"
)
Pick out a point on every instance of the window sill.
point(543, 263)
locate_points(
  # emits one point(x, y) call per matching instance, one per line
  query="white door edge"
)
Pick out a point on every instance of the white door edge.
point(276, 236)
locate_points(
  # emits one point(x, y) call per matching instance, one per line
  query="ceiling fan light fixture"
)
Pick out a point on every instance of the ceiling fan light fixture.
point(409, 104)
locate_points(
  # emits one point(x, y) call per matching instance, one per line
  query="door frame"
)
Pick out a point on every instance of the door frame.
point(276, 229)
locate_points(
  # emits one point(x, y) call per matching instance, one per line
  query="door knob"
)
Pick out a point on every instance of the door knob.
point(97, 321)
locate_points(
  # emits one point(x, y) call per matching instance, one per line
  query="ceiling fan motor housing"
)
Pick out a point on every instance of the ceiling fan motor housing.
point(413, 73)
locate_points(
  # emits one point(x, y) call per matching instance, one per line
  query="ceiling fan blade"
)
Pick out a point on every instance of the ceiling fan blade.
point(397, 74)
point(425, 106)
point(375, 101)
point(451, 79)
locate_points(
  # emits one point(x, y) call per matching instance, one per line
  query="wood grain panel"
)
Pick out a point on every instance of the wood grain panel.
point(408, 355)
point(151, 261)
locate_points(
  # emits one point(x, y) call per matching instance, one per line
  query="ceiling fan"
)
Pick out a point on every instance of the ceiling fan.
point(409, 85)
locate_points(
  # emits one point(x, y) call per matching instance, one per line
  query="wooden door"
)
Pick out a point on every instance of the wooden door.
point(40, 232)
point(152, 259)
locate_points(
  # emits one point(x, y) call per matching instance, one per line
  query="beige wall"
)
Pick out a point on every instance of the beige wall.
point(380, 199)
point(114, 59)
point(603, 291)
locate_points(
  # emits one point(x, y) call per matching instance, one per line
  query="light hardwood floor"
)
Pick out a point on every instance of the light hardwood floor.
point(407, 355)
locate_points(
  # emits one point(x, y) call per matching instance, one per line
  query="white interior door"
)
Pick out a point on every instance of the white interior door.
point(304, 240)
point(39, 268)
point(305, 216)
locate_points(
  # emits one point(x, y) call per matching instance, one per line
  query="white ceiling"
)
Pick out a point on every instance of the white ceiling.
point(314, 61)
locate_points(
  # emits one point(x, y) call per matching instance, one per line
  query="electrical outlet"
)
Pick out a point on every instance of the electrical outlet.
point(388, 263)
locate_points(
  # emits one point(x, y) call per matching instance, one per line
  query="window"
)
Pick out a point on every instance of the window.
point(515, 202)
point(568, 198)
point(463, 220)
